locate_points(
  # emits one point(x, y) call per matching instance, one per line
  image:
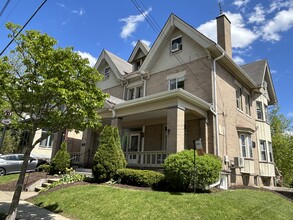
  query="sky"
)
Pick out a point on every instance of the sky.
point(261, 29)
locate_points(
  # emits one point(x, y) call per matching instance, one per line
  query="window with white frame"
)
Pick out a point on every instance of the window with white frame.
point(247, 104)
point(176, 83)
point(270, 152)
point(263, 150)
point(259, 111)
point(107, 73)
point(245, 145)
point(176, 44)
point(134, 93)
point(48, 141)
point(266, 113)
point(239, 98)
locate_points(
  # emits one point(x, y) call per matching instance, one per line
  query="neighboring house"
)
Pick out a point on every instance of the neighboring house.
point(43, 150)
point(188, 88)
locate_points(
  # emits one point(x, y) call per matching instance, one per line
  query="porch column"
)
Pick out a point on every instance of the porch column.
point(175, 128)
point(204, 134)
point(86, 146)
point(118, 123)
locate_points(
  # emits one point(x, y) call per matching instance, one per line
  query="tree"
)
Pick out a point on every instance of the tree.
point(109, 156)
point(282, 145)
point(49, 87)
point(61, 161)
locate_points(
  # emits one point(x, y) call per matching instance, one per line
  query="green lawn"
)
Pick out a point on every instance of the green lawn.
point(8, 178)
point(106, 202)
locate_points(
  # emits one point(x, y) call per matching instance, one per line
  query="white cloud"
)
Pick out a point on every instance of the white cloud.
point(238, 60)
point(79, 12)
point(92, 60)
point(279, 4)
point(282, 21)
point(131, 23)
point(241, 36)
point(290, 114)
point(258, 16)
point(146, 42)
point(274, 71)
point(60, 5)
point(240, 3)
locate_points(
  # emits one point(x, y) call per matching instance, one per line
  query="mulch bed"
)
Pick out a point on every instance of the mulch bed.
point(29, 180)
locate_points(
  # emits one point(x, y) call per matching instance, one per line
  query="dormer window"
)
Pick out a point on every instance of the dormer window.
point(137, 64)
point(106, 73)
point(176, 44)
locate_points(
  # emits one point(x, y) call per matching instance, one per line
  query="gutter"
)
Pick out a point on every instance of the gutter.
point(215, 107)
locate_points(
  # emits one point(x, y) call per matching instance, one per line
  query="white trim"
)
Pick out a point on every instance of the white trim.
point(177, 75)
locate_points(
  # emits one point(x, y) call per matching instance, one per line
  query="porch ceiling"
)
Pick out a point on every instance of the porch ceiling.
point(157, 116)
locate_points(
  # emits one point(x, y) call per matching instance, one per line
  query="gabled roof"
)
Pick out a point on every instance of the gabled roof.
point(172, 23)
point(255, 70)
point(259, 71)
point(139, 46)
point(119, 66)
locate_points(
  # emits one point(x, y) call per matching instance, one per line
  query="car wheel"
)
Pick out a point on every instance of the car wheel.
point(2, 171)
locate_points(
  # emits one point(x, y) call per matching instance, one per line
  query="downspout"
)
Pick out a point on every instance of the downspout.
point(144, 84)
point(215, 102)
point(124, 89)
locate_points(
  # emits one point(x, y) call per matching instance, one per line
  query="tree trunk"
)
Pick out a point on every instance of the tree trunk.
point(19, 186)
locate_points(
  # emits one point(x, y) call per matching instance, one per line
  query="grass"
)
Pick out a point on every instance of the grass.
point(106, 202)
point(8, 178)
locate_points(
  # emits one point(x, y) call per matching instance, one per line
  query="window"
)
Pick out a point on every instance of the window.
point(48, 141)
point(176, 83)
point(239, 98)
point(247, 104)
point(246, 145)
point(134, 93)
point(259, 111)
point(266, 113)
point(106, 73)
point(176, 44)
point(137, 64)
point(263, 150)
point(270, 152)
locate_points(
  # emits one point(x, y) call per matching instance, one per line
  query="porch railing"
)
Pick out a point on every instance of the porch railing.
point(146, 158)
point(74, 157)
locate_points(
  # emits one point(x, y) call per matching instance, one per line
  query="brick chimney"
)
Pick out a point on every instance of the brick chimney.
point(224, 33)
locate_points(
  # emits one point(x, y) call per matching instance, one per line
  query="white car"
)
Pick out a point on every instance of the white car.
point(11, 163)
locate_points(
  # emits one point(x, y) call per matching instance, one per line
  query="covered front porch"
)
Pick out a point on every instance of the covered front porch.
point(153, 127)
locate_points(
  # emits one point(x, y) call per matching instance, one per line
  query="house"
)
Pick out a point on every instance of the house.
point(186, 89)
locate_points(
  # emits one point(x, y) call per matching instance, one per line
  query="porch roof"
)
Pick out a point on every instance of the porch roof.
point(168, 99)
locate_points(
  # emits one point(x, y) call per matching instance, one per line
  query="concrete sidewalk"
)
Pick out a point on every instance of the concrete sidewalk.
point(27, 210)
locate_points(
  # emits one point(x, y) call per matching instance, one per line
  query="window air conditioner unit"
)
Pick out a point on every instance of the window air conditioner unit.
point(176, 47)
point(239, 162)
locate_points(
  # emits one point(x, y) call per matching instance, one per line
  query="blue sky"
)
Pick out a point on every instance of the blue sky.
point(260, 29)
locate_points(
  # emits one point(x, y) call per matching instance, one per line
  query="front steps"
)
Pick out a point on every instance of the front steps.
point(44, 184)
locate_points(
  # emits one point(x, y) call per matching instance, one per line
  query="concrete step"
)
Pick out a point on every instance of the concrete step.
point(46, 184)
point(53, 180)
point(39, 188)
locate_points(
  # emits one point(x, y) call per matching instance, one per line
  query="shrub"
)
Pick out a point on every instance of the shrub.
point(61, 161)
point(44, 168)
point(146, 178)
point(109, 156)
point(179, 170)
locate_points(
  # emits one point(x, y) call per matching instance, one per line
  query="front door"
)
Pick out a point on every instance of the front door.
point(133, 148)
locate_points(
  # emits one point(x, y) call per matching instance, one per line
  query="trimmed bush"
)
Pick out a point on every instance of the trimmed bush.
point(109, 156)
point(179, 170)
point(44, 168)
point(145, 178)
point(61, 161)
